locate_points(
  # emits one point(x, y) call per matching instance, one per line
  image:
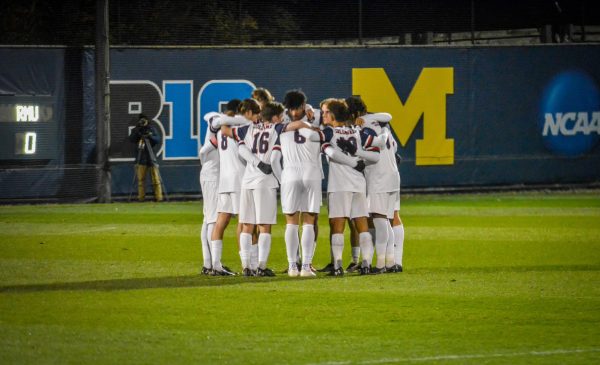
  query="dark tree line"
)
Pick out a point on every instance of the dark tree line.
point(219, 22)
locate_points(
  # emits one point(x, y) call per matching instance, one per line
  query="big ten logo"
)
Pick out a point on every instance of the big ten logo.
point(181, 129)
point(427, 99)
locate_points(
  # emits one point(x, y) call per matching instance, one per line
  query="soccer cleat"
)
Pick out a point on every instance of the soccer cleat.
point(247, 272)
point(293, 272)
point(205, 271)
point(394, 269)
point(265, 272)
point(327, 268)
point(353, 267)
point(226, 268)
point(377, 270)
point(307, 274)
point(365, 270)
point(313, 269)
point(336, 272)
point(222, 272)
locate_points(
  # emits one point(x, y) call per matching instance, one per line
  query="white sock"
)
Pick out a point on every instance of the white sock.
point(399, 243)
point(254, 257)
point(355, 253)
point(337, 247)
point(216, 248)
point(366, 247)
point(308, 241)
point(264, 248)
point(205, 240)
point(245, 249)
point(291, 242)
point(390, 249)
point(381, 238)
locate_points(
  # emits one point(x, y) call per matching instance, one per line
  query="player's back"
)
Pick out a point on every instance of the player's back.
point(343, 177)
point(301, 155)
point(383, 176)
point(260, 138)
point(231, 166)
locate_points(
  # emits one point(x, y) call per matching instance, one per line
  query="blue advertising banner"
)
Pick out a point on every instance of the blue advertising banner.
point(463, 116)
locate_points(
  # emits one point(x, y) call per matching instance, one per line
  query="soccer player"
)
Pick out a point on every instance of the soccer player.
point(383, 183)
point(346, 187)
point(258, 204)
point(209, 178)
point(230, 176)
point(300, 183)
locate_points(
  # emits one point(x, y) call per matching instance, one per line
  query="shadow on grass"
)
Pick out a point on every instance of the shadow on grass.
point(188, 281)
point(191, 281)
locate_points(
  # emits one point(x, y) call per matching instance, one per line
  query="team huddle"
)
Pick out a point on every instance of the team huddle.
point(258, 145)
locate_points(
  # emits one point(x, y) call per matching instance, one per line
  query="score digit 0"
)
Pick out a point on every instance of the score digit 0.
point(25, 143)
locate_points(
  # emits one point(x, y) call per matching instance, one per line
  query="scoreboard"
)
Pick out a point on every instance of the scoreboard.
point(28, 128)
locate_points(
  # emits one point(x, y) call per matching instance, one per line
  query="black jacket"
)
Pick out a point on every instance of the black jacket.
point(152, 137)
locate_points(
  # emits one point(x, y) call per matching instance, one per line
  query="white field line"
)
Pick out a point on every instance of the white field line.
point(461, 357)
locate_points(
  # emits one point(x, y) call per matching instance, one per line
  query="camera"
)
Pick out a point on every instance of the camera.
point(142, 122)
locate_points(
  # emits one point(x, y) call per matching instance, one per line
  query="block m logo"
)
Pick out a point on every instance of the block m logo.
point(427, 98)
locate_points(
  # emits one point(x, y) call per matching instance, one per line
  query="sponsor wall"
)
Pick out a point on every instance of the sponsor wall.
point(463, 116)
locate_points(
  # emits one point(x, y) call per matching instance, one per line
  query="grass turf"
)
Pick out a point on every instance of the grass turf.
point(495, 279)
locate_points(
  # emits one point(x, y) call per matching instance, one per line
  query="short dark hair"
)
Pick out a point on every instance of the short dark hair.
point(294, 99)
point(232, 106)
point(339, 109)
point(270, 110)
point(249, 105)
point(356, 106)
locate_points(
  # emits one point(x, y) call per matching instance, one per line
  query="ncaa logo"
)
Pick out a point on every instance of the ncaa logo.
point(570, 108)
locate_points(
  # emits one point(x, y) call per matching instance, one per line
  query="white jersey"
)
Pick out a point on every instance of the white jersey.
point(210, 165)
point(383, 176)
point(375, 120)
point(343, 177)
point(232, 167)
point(301, 156)
point(260, 138)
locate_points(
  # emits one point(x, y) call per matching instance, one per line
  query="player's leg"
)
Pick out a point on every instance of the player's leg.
point(216, 243)
point(359, 213)
point(247, 219)
point(308, 243)
point(292, 242)
point(390, 264)
point(290, 190)
point(381, 224)
point(339, 211)
point(227, 206)
point(264, 249)
point(310, 213)
point(209, 217)
point(265, 202)
point(380, 207)
point(398, 228)
point(205, 243)
point(354, 248)
point(254, 252)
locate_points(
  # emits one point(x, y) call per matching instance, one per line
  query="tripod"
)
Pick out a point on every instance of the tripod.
point(144, 145)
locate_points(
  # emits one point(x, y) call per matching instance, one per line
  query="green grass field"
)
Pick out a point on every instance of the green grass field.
point(494, 279)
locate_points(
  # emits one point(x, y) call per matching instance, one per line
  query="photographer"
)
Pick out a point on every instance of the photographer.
point(145, 137)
